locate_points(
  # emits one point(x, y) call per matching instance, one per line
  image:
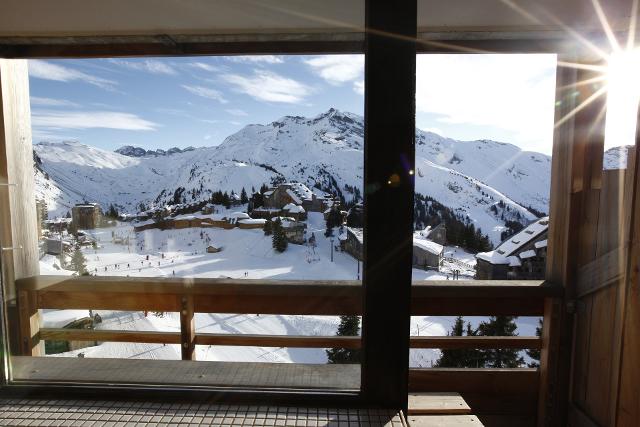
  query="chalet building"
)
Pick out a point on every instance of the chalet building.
point(295, 193)
point(427, 254)
point(436, 234)
point(352, 242)
point(249, 223)
point(294, 230)
point(522, 256)
point(53, 246)
point(85, 216)
point(295, 211)
point(57, 225)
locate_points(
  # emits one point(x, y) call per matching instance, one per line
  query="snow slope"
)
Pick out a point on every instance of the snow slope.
point(324, 152)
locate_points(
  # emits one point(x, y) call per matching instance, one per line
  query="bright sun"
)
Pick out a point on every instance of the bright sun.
point(623, 78)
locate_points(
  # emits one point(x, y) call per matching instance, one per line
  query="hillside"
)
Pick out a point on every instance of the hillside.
point(325, 152)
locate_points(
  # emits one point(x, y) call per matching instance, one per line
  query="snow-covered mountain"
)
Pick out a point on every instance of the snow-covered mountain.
point(324, 152)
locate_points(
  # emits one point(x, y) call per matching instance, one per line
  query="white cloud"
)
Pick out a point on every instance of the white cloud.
point(48, 71)
point(147, 65)
point(90, 120)
point(206, 92)
point(203, 66)
point(509, 92)
point(268, 86)
point(267, 59)
point(237, 112)
point(50, 102)
point(337, 69)
point(358, 87)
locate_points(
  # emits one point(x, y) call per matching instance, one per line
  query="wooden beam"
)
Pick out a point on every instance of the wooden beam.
point(29, 321)
point(105, 335)
point(389, 158)
point(452, 342)
point(187, 328)
point(468, 380)
point(300, 341)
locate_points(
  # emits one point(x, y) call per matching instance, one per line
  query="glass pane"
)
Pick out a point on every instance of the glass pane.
point(483, 171)
point(244, 169)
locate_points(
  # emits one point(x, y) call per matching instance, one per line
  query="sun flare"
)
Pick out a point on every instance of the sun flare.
point(623, 84)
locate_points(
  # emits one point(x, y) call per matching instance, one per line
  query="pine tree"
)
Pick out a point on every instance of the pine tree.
point(500, 358)
point(534, 354)
point(78, 263)
point(243, 197)
point(461, 358)
point(268, 227)
point(349, 326)
point(279, 239)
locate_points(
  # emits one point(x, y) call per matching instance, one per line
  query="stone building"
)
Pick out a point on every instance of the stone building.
point(352, 242)
point(85, 216)
point(427, 254)
point(522, 256)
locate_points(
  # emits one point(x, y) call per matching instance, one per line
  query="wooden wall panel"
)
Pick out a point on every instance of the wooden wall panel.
point(18, 223)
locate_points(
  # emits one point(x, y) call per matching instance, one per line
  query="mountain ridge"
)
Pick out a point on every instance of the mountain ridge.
point(324, 151)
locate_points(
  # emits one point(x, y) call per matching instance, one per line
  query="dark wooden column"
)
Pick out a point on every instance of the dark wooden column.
point(390, 65)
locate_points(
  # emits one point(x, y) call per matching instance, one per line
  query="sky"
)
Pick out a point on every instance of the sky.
point(199, 101)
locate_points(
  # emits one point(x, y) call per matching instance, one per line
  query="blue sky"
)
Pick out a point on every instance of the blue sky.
point(198, 101)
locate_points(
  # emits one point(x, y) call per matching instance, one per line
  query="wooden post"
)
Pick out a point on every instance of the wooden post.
point(389, 160)
point(187, 328)
point(29, 323)
point(576, 171)
point(628, 381)
point(18, 220)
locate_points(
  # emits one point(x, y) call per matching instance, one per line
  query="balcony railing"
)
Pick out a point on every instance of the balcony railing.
point(189, 296)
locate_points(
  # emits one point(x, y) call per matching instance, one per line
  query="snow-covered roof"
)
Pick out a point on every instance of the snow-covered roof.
point(293, 208)
point(533, 230)
point(301, 190)
point(58, 221)
point(294, 196)
point(514, 261)
point(527, 254)
point(239, 215)
point(428, 245)
point(492, 257)
point(268, 193)
point(357, 233)
point(541, 244)
point(141, 223)
point(252, 221)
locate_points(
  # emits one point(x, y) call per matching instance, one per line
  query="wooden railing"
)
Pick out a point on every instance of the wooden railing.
point(189, 296)
point(518, 389)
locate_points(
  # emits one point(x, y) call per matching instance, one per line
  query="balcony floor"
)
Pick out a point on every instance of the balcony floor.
point(187, 373)
point(120, 413)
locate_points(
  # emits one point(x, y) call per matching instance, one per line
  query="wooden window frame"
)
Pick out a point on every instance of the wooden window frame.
point(390, 43)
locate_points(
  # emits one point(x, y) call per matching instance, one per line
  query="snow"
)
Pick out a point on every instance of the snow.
point(428, 245)
point(291, 208)
point(527, 254)
point(492, 257)
point(467, 176)
point(357, 232)
point(239, 215)
point(294, 196)
point(533, 230)
point(541, 244)
point(514, 261)
point(252, 221)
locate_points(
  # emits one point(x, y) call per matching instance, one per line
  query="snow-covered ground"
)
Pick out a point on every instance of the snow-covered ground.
point(182, 253)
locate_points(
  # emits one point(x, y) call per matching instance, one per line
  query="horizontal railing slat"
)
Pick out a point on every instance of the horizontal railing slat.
point(313, 297)
point(452, 343)
point(302, 341)
point(483, 380)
